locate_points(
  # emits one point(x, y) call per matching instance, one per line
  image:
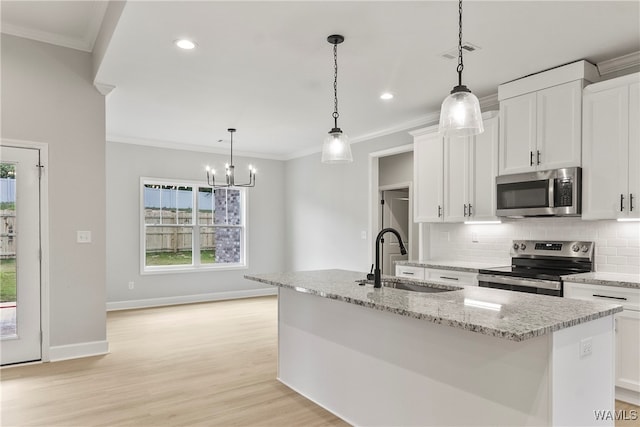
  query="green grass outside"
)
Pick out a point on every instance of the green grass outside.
point(178, 258)
point(8, 206)
point(7, 280)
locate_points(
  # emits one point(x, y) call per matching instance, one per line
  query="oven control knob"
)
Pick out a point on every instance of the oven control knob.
point(575, 248)
point(523, 246)
point(584, 248)
point(515, 246)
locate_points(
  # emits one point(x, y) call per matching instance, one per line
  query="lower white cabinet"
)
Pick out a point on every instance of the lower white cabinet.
point(627, 328)
point(451, 277)
point(410, 271)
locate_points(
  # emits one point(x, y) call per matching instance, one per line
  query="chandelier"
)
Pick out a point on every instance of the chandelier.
point(230, 180)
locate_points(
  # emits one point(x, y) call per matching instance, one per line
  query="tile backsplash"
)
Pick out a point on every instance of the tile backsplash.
point(617, 244)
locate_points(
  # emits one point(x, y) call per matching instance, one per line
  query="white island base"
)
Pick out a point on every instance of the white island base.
point(371, 367)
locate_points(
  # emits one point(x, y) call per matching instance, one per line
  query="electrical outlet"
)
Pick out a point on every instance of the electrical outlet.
point(586, 347)
point(131, 284)
point(363, 235)
point(474, 237)
point(83, 237)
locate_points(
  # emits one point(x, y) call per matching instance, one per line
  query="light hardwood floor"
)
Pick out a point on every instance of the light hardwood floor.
point(208, 364)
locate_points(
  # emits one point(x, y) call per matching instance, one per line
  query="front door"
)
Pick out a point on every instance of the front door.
point(20, 337)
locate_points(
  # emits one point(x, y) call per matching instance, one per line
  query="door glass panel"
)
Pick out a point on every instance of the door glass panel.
point(8, 277)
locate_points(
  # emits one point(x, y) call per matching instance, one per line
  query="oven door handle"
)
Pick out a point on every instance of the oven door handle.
point(520, 281)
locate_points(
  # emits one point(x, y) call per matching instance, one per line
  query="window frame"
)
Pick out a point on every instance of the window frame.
point(195, 226)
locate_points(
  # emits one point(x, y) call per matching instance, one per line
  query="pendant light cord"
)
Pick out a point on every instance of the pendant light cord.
point(335, 85)
point(460, 64)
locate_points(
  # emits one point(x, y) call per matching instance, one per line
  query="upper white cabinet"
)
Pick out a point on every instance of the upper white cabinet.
point(541, 130)
point(611, 149)
point(541, 119)
point(454, 178)
point(470, 168)
point(427, 175)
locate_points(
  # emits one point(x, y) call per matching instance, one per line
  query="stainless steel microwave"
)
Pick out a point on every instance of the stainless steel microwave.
point(556, 192)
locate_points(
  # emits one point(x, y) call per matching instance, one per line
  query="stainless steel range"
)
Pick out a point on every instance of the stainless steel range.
point(537, 266)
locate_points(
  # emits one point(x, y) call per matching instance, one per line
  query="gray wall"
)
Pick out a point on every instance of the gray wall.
point(48, 97)
point(126, 163)
point(396, 169)
point(327, 207)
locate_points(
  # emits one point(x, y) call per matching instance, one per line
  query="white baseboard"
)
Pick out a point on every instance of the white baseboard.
point(188, 299)
point(75, 351)
point(628, 396)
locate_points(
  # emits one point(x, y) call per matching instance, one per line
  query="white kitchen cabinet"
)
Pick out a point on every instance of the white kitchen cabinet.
point(611, 149)
point(410, 271)
point(451, 277)
point(542, 129)
point(627, 333)
point(428, 175)
point(470, 169)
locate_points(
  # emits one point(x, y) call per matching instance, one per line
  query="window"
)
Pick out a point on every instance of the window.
point(187, 226)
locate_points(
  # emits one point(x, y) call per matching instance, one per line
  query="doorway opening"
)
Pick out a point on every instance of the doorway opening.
point(391, 185)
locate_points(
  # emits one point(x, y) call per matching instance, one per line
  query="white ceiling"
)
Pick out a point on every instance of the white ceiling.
point(266, 68)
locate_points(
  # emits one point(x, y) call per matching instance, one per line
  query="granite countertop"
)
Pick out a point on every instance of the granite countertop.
point(606, 279)
point(469, 266)
point(515, 316)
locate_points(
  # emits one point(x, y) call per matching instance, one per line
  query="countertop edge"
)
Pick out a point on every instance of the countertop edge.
point(498, 333)
point(585, 278)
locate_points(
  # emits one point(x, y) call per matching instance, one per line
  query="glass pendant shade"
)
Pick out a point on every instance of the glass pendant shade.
point(336, 148)
point(460, 114)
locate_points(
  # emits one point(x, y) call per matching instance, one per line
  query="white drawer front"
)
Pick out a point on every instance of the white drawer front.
point(409, 271)
point(629, 298)
point(452, 276)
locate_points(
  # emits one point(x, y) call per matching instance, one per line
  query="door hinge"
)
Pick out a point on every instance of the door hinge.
point(382, 201)
point(40, 168)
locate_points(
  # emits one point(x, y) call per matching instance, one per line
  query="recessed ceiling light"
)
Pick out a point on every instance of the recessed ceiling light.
point(386, 96)
point(185, 44)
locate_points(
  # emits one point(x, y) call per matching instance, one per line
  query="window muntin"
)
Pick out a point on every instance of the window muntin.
point(188, 226)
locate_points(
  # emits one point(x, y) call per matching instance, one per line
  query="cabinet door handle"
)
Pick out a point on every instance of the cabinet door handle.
point(439, 211)
point(449, 278)
point(610, 297)
point(465, 210)
point(408, 273)
point(630, 202)
point(538, 159)
point(621, 202)
point(530, 158)
point(469, 209)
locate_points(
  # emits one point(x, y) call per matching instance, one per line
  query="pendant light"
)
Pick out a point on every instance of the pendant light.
point(230, 172)
point(460, 113)
point(336, 148)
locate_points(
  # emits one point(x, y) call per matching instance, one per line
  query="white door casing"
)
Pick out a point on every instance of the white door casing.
point(25, 345)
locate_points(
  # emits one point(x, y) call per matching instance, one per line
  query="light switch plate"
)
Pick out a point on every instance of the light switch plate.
point(83, 237)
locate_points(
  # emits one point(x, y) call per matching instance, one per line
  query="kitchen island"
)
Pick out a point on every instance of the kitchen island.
point(471, 356)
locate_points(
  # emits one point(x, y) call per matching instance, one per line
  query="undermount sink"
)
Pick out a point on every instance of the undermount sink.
point(408, 286)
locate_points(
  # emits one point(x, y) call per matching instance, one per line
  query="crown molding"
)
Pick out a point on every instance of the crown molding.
point(173, 145)
point(620, 63)
point(46, 37)
point(104, 88)
point(84, 43)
